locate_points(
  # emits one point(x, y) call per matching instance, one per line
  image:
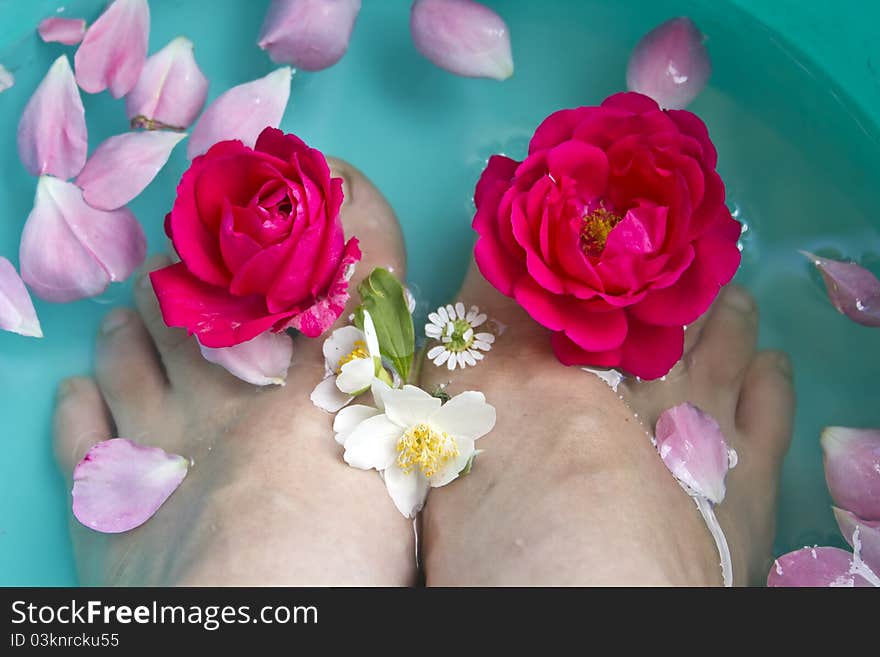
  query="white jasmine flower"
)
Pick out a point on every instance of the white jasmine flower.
point(414, 441)
point(455, 330)
point(351, 357)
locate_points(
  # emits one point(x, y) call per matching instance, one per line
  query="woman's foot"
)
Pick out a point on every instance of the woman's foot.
point(570, 489)
point(269, 499)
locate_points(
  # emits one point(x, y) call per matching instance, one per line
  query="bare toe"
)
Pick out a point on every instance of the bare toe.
point(81, 420)
point(766, 405)
point(129, 373)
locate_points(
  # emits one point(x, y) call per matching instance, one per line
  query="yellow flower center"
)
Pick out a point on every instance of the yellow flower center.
point(597, 226)
point(359, 351)
point(426, 449)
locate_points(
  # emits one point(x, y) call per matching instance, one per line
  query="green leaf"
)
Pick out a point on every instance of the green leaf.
point(383, 296)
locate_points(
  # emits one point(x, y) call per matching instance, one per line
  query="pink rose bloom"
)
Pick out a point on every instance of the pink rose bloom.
point(612, 233)
point(260, 242)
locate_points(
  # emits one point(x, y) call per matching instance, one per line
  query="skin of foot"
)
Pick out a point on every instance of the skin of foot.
point(268, 499)
point(570, 490)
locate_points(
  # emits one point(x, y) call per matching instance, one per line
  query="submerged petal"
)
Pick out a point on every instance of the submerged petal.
point(114, 49)
point(852, 469)
point(70, 250)
point(815, 567)
point(308, 34)
point(262, 361)
point(68, 31)
point(868, 536)
point(123, 165)
point(17, 312)
point(242, 112)
point(852, 289)
point(463, 37)
point(7, 79)
point(119, 484)
point(52, 137)
point(692, 446)
point(670, 64)
point(170, 91)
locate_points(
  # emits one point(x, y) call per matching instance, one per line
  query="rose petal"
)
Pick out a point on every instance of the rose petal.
point(242, 112)
point(17, 312)
point(692, 446)
point(814, 567)
point(123, 165)
point(114, 49)
point(171, 90)
point(852, 469)
point(868, 536)
point(670, 64)
point(68, 31)
point(52, 137)
point(852, 289)
point(70, 250)
point(308, 34)
point(7, 79)
point(262, 361)
point(119, 484)
point(463, 37)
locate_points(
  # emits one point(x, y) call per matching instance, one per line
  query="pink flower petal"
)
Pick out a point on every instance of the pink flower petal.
point(693, 448)
point(119, 485)
point(852, 289)
point(52, 137)
point(242, 112)
point(868, 536)
point(308, 34)
point(852, 469)
point(814, 567)
point(70, 250)
point(262, 361)
point(670, 64)
point(171, 90)
point(114, 49)
point(68, 31)
point(123, 165)
point(7, 79)
point(463, 37)
point(17, 312)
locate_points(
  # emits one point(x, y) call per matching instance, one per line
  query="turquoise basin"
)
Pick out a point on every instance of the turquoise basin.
point(799, 158)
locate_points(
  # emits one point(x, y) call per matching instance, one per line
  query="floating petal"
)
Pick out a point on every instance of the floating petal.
point(308, 34)
point(670, 64)
point(119, 484)
point(123, 165)
point(52, 137)
point(262, 361)
point(70, 250)
point(171, 90)
point(114, 49)
point(17, 312)
point(7, 79)
point(68, 31)
point(242, 112)
point(463, 37)
point(868, 536)
point(814, 567)
point(693, 448)
point(852, 289)
point(852, 469)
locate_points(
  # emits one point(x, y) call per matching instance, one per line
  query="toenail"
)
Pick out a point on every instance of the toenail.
point(114, 321)
point(785, 367)
point(739, 299)
point(66, 387)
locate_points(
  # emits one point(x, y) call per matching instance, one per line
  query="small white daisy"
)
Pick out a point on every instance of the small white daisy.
point(455, 330)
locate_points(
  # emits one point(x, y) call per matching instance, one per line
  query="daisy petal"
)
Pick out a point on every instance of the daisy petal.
point(119, 484)
point(328, 397)
point(372, 444)
point(435, 351)
point(467, 415)
point(488, 338)
point(442, 357)
point(408, 491)
point(459, 310)
point(409, 406)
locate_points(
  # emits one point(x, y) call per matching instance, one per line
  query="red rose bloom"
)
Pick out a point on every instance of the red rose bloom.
point(612, 233)
point(260, 242)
